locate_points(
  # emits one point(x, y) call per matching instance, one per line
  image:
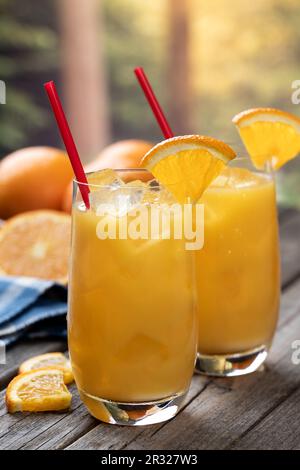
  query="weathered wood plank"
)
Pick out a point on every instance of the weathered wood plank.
point(57, 431)
point(278, 430)
point(23, 351)
point(59, 434)
point(285, 213)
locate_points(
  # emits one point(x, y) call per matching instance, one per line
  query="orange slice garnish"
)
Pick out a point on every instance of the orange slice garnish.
point(38, 390)
point(54, 360)
point(186, 165)
point(36, 244)
point(271, 136)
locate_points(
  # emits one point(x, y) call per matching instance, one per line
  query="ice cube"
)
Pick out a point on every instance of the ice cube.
point(143, 348)
point(104, 178)
point(166, 197)
point(101, 184)
point(137, 184)
point(81, 207)
point(126, 199)
point(155, 193)
point(151, 195)
point(119, 199)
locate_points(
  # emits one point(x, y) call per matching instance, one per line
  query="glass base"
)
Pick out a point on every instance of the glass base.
point(231, 365)
point(132, 414)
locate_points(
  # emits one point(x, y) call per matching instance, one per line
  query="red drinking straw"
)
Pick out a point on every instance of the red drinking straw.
point(68, 141)
point(152, 100)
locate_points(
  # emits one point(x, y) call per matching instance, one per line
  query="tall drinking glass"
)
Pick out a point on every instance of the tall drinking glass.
point(132, 323)
point(238, 279)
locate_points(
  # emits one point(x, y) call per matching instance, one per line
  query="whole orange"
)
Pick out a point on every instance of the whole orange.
point(122, 154)
point(33, 178)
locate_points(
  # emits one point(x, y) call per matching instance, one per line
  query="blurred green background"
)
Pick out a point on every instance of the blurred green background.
point(207, 60)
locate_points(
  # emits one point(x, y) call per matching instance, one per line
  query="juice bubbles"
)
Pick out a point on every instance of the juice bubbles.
point(238, 272)
point(132, 321)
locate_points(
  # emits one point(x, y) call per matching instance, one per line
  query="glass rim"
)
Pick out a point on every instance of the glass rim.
point(143, 171)
point(239, 159)
point(251, 167)
point(118, 170)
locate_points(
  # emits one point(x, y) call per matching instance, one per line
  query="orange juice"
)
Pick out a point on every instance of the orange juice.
point(132, 322)
point(238, 268)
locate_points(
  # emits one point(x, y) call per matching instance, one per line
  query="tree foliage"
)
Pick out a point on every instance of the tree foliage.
point(243, 54)
point(27, 52)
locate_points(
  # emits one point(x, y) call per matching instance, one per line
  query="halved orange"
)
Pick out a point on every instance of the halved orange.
point(38, 390)
point(271, 136)
point(36, 244)
point(186, 165)
point(55, 360)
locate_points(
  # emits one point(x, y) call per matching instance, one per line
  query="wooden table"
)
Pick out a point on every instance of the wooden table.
point(258, 411)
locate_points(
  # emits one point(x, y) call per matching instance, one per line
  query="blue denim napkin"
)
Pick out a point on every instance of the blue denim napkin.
point(31, 308)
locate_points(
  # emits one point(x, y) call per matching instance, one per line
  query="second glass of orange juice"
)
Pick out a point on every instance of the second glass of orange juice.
point(132, 321)
point(238, 279)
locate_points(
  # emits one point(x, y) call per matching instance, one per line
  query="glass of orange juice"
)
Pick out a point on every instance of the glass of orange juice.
point(132, 322)
point(238, 275)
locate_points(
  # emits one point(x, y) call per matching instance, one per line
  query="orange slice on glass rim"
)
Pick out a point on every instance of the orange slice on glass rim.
point(55, 360)
point(38, 390)
point(186, 165)
point(271, 136)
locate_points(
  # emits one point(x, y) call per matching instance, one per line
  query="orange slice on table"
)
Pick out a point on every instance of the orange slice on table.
point(36, 244)
point(38, 390)
point(269, 135)
point(54, 360)
point(186, 165)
